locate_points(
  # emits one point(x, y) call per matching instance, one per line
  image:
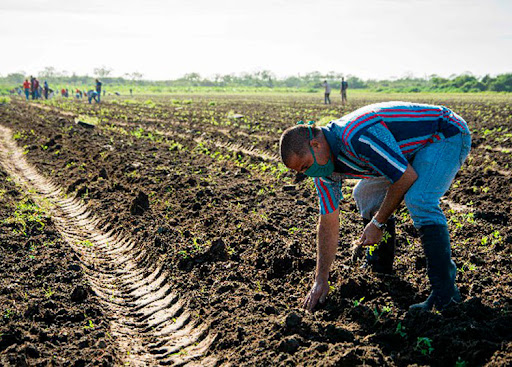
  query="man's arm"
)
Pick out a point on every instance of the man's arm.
point(327, 242)
point(394, 196)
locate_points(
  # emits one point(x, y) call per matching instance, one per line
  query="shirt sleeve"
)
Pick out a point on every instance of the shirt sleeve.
point(329, 194)
point(378, 148)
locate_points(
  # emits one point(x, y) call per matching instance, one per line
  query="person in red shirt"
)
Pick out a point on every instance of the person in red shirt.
point(26, 87)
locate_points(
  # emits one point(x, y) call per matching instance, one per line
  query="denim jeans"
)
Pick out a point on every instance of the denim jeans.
point(436, 165)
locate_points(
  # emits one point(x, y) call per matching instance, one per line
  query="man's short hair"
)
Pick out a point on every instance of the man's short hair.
point(294, 141)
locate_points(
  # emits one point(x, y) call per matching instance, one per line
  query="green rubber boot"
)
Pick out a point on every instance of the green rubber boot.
point(441, 269)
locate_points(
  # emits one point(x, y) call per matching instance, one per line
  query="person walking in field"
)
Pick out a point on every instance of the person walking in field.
point(344, 87)
point(26, 88)
point(327, 92)
point(98, 90)
point(398, 150)
point(46, 89)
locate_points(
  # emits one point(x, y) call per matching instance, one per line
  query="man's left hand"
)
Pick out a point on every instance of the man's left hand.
point(371, 235)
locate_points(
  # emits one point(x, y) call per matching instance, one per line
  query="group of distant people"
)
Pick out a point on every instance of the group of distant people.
point(343, 91)
point(33, 89)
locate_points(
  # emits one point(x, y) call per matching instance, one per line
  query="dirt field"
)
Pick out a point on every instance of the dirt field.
point(169, 233)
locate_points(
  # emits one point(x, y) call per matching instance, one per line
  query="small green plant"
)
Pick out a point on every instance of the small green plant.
point(89, 325)
point(292, 230)
point(461, 363)
point(424, 345)
point(332, 288)
point(48, 292)
point(8, 313)
point(85, 243)
point(378, 315)
point(357, 302)
point(467, 266)
point(400, 330)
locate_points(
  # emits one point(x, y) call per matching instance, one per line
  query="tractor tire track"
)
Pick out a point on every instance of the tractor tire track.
point(150, 322)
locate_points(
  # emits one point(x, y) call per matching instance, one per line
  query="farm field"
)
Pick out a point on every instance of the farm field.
point(164, 230)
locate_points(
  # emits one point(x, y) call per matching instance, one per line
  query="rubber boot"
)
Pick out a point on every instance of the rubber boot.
point(381, 259)
point(441, 269)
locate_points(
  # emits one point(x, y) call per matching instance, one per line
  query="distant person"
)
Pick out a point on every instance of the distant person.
point(98, 90)
point(63, 92)
point(344, 87)
point(92, 94)
point(131, 92)
point(46, 89)
point(327, 87)
point(35, 88)
point(26, 88)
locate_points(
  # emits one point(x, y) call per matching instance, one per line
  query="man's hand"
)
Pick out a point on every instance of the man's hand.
point(371, 235)
point(318, 293)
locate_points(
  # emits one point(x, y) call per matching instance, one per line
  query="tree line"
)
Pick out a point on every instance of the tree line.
point(310, 82)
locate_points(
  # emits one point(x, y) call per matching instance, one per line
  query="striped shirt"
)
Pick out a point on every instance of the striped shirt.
point(380, 140)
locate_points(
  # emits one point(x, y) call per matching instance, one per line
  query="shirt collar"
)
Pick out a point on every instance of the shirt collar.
point(330, 136)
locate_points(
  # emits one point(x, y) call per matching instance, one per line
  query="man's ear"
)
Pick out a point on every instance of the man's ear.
point(314, 143)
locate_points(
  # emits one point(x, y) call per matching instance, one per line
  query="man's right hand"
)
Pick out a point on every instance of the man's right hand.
point(318, 293)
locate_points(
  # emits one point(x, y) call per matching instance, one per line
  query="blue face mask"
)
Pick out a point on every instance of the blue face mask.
point(317, 170)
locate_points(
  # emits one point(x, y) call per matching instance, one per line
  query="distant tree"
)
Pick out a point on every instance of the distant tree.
point(137, 76)
point(102, 71)
point(16, 78)
point(133, 76)
point(49, 72)
point(502, 83)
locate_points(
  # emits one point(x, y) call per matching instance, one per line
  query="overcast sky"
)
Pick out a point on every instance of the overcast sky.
point(167, 39)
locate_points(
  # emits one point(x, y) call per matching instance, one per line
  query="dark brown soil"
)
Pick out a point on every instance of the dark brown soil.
point(49, 314)
point(237, 234)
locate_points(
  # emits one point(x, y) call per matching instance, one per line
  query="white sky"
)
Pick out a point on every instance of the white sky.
point(167, 39)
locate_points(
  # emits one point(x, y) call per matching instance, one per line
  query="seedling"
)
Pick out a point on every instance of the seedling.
point(400, 330)
point(357, 302)
point(331, 287)
point(8, 313)
point(48, 292)
point(378, 315)
point(90, 325)
point(85, 243)
point(424, 345)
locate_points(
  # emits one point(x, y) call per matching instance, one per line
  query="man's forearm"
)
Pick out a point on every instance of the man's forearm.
point(327, 243)
point(395, 195)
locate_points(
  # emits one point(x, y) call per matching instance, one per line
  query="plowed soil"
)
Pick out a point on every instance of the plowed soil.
point(195, 181)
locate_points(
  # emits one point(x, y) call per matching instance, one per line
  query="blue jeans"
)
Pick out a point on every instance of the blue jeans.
point(27, 93)
point(436, 165)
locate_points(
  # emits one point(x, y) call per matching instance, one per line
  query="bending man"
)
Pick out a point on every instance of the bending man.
point(399, 150)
